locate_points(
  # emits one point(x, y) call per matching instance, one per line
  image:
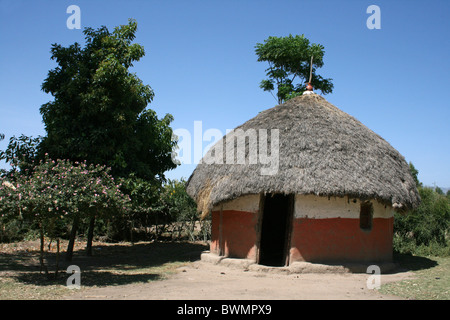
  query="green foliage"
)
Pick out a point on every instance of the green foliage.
point(21, 152)
point(175, 206)
point(425, 229)
point(12, 230)
point(290, 58)
point(56, 194)
point(439, 190)
point(414, 173)
point(172, 214)
point(99, 109)
point(161, 212)
point(182, 210)
point(175, 202)
point(143, 195)
point(57, 190)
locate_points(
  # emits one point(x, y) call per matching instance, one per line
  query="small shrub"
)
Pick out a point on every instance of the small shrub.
point(424, 230)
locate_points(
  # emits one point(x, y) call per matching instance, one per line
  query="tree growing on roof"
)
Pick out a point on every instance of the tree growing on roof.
point(289, 69)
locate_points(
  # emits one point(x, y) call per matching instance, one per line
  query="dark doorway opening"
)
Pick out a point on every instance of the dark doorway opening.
point(275, 229)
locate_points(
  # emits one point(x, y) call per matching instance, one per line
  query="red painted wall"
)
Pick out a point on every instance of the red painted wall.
point(341, 239)
point(238, 234)
point(313, 240)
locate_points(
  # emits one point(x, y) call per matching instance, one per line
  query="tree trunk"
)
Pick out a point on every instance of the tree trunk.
point(41, 252)
point(73, 234)
point(90, 236)
point(192, 230)
point(131, 231)
point(57, 258)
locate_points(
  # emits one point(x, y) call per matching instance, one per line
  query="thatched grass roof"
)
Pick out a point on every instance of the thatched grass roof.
point(322, 151)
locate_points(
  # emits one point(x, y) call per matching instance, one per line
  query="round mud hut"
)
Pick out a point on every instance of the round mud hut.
point(303, 182)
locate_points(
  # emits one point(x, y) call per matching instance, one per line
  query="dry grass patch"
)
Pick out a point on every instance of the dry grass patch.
point(431, 281)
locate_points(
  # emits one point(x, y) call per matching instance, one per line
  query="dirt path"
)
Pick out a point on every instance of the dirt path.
point(203, 280)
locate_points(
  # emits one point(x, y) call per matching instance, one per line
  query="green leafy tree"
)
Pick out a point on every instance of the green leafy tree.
point(415, 174)
point(99, 112)
point(144, 194)
point(176, 207)
point(21, 153)
point(289, 60)
point(426, 227)
point(427, 224)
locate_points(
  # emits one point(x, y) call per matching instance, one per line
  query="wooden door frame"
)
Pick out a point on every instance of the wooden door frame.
point(289, 225)
point(262, 198)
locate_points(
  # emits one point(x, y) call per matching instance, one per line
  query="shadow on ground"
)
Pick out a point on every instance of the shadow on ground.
point(110, 264)
point(410, 262)
point(120, 264)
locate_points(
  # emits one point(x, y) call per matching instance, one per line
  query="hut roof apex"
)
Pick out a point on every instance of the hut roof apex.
point(321, 150)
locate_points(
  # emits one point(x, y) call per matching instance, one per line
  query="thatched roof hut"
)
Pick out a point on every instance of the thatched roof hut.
point(321, 151)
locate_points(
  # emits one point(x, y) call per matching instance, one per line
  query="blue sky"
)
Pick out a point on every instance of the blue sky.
point(200, 61)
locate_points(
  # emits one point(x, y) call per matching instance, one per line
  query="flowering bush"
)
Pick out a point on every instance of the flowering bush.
point(57, 194)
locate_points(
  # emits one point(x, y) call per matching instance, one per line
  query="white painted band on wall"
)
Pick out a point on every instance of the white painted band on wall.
point(314, 207)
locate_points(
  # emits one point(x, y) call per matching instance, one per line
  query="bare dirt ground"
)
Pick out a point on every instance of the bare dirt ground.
point(173, 271)
point(204, 280)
